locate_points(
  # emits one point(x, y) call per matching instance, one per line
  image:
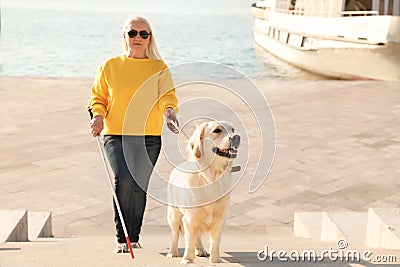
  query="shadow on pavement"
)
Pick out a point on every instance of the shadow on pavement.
point(250, 259)
point(9, 249)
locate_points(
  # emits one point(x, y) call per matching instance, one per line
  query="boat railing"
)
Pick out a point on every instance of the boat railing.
point(359, 13)
point(299, 12)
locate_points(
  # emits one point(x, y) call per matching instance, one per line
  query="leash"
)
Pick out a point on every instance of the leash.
point(234, 168)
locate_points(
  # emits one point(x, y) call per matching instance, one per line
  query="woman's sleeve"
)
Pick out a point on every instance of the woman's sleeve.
point(167, 91)
point(99, 100)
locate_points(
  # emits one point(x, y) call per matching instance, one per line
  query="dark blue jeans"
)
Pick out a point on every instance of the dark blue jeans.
point(132, 159)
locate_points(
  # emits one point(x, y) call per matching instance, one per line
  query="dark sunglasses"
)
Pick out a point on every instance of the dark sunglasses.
point(143, 34)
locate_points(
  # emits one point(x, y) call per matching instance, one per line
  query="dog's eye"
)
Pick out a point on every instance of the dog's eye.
point(233, 130)
point(217, 130)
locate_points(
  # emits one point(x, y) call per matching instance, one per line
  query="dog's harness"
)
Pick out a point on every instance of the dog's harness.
point(234, 168)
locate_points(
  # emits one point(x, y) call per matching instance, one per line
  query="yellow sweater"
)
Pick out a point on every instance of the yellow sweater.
point(132, 95)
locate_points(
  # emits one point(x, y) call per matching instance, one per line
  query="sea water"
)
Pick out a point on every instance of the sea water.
point(72, 42)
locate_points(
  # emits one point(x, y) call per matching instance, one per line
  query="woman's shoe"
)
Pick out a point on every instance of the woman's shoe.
point(136, 245)
point(121, 248)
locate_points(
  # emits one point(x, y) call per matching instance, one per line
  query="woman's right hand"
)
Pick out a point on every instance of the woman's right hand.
point(96, 125)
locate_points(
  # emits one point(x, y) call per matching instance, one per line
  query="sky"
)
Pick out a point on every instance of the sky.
point(154, 6)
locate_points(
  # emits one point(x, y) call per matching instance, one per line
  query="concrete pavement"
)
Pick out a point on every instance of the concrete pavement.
point(337, 149)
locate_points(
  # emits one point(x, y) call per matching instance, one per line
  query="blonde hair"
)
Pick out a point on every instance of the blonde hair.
point(151, 50)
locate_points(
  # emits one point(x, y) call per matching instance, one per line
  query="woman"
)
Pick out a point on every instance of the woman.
point(131, 94)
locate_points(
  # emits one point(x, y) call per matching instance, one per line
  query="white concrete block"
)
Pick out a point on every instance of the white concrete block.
point(307, 224)
point(13, 226)
point(329, 230)
point(383, 228)
point(348, 225)
point(39, 224)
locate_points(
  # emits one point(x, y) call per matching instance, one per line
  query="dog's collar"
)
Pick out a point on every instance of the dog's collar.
point(230, 153)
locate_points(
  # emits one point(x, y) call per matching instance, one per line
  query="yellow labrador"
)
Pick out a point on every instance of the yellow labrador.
point(199, 190)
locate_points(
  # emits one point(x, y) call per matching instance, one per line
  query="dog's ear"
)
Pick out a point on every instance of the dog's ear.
point(195, 141)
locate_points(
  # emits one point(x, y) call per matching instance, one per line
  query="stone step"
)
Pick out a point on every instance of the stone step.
point(13, 226)
point(308, 224)
point(344, 225)
point(332, 226)
point(377, 228)
point(39, 224)
point(383, 228)
point(238, 248)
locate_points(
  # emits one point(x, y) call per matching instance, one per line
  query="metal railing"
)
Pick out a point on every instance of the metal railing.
point(328, 14)
point(359, 13)
point(333, 8)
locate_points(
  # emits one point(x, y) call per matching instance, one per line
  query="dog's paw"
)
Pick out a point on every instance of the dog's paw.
point(172, 254)
point(186, 261)
point(201, 252)
point(215, 259)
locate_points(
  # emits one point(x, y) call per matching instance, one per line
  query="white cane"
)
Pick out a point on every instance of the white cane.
point(103, 156)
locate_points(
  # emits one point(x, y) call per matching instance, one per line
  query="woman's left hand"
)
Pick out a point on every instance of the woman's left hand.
point(171, 116)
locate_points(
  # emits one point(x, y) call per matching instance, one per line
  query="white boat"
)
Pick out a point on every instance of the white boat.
point(345, 39)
